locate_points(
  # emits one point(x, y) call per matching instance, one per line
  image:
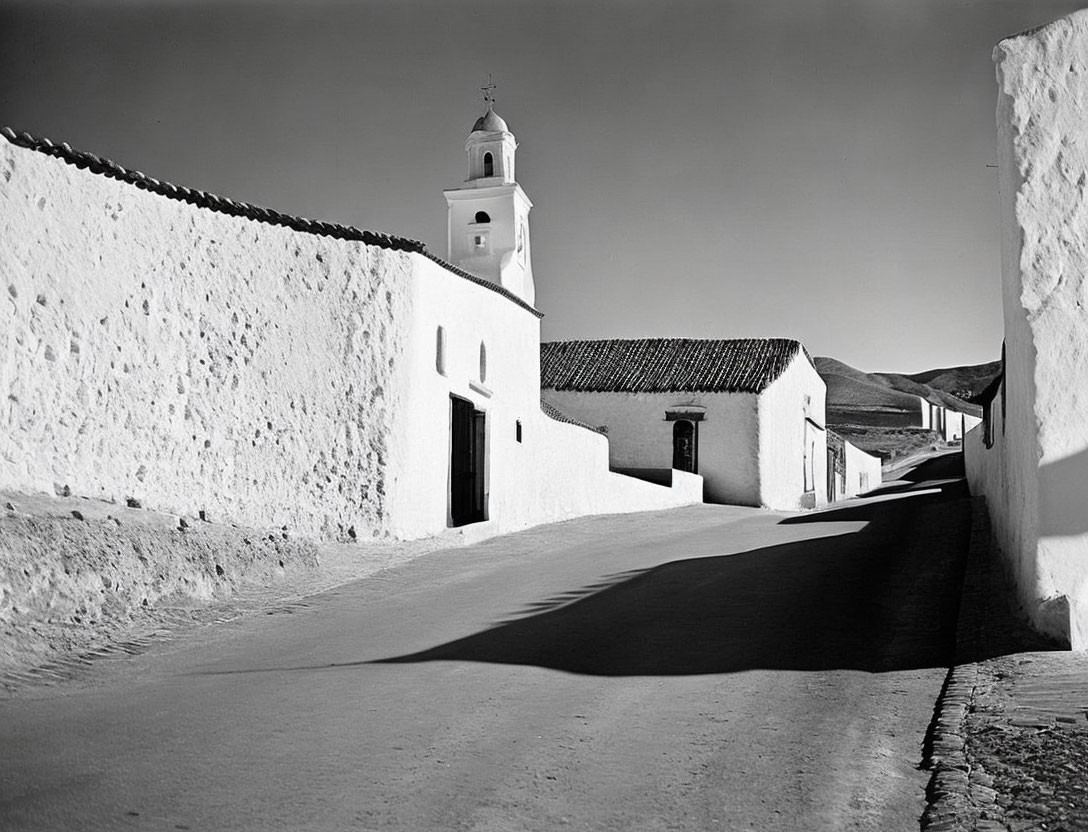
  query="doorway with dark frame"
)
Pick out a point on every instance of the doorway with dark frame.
point(468, 436)
point(684, 445)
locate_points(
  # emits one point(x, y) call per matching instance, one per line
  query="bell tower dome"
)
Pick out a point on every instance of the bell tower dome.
point(488, 220)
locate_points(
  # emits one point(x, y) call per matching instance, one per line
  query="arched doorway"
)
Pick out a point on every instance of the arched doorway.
point(683, 446)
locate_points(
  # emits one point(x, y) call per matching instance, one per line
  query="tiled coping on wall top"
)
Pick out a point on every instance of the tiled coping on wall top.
point(223, 205)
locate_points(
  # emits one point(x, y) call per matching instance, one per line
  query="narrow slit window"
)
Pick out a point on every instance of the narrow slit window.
point(440, 350)
point(483, 362)
point(517, 429)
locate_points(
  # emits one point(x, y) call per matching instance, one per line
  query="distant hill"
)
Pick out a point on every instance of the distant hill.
point(965, 383)
point(849, 392)
point(857, 397)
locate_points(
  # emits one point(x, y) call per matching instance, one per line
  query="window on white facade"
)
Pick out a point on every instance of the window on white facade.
point(479, 241)
point(489, 164)
point(483, 362)
point(440, 350)
point(517, 430)
point(482, 216)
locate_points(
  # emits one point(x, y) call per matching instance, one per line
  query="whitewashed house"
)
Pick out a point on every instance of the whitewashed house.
point(1029, 458)
point(851, 471)
point(197, 354)
point(949, 423)
point(746, 414)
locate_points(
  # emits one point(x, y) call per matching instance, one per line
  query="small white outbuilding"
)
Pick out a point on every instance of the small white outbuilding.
point(746, 414)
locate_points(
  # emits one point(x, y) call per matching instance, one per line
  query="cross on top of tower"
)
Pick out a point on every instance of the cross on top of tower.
point(489, 91)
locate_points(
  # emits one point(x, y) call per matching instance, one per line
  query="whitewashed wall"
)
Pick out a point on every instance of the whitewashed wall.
point(640, 437)
point(925, 414)
point(556, 472)
point(193, 360)
point(1040, 514)
point(196, 361)
point(788, 442)
point(863, 471)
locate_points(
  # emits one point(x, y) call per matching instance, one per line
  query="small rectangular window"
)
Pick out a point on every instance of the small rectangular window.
point(480, 241)
point(517, 429)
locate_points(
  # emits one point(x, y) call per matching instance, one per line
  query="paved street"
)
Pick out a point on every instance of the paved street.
point(707, 668)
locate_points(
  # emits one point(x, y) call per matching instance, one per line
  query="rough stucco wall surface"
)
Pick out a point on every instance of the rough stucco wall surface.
point(1043, 158)
point(192, 360)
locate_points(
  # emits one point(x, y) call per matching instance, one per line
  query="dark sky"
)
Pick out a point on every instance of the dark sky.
point(816, 170)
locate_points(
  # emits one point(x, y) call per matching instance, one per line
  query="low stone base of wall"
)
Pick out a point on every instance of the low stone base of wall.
point(73, 571)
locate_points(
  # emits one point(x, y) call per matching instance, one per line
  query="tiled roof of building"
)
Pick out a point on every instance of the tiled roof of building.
point(660, 365)
point(553, 412)
point(222, 205)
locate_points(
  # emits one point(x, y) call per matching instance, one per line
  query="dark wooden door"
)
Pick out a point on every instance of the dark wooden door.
point(479, 428)
point(467, 444)
point(683, 446)
point(461, 462)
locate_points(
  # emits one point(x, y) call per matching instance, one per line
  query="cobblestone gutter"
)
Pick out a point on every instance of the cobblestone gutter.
point(1009, 744)
point(957, 795)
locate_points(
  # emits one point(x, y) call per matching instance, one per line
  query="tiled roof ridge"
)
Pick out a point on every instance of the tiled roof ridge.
point(553, 412)
point(683, 339)
point(223, 205)
point(658, 365)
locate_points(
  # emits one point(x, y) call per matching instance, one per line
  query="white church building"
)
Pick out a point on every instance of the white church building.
point(197, 355)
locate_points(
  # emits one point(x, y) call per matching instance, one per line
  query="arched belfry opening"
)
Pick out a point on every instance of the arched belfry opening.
point(499, 252)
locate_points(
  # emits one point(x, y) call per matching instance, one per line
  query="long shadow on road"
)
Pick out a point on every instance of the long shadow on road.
point(880, 599)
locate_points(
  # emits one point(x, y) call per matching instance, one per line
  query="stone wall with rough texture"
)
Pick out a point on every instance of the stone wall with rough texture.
point(191, 360)
point(1040, 514)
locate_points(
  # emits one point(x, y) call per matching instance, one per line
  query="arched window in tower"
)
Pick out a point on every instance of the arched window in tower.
point(483, 362)
point(440, 350)
point(482, 216)
point(489, 164)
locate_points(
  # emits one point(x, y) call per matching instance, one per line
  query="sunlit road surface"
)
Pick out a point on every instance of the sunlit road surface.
point(707, 668)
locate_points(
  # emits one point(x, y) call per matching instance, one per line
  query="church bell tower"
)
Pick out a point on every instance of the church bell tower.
point(488, 231)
